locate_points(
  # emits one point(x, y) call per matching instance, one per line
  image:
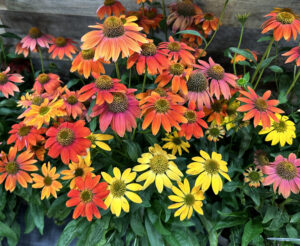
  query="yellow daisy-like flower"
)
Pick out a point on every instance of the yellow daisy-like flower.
point(209, 170)
point(215, 132)
point(253, 176)
point(161, 168)
point(186, 200)
point(175, 143)
point(48, 181)
point(42, 114)
point(280, 132)
point(119, 186)
point(80, 169)
point(97, 140)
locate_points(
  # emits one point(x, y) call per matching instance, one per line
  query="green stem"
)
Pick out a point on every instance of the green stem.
point(133, 134)
point(145, 78)
point(117, 70)
point(143, 8)
point(41, 58)
point(165, 16)
point(293, 83)
point(238, 46)
point(3, 52)
point(130, 74)
point(31, 65)
point(261, 61)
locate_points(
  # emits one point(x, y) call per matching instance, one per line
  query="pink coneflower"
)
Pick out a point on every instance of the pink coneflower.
point(7, 86)
point(24, 51)
point(73, 106)
point(48, 82)
point(62, 47)
point(121, 114)
point(36, 38)
point(219, 80)
point(284, 174)
point(293, 54)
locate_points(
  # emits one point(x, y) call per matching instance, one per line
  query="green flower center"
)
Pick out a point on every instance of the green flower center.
point(24, 130)
point(191, 116)
point(43, 78)
point(189, 199)
point(216, 106)
point(65, 136)
point(216, 72)
point(159, 164)
point(176, 69)
point(254, 176)
point(211, 166)
point(148, 49)
point(78, 172)
point(72, 100)
point(177, 141)
point(104, 82)
point(162, 106)
point(3, 78)
point(285, 17)
point(113, 27)
point(185, 8)
point(160, 91)
point(109, 2)
point(263, 159)
point(214, 131)
point(261, 104)
point(34, 32)
point(208, 16)
point(44, 110)
point(47, 181)
point(12, 167)
point(118, 188)
point(279, 126)
point(88, 54)
point(86, 196)
point(60, 41)
point(37, 100)
point(119, 103)
point(174, 46)
point(197, 82)
point(286, 170)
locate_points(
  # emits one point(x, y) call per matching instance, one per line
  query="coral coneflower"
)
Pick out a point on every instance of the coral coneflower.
point(217, 111)
point(48, 82)
point(7, 80)
point(150, 58)
point(215, 132)
point(114, 37)
point(62, 47)
point(253, 177)
point(259, 108)
point(175, 143)
point(120, 114)
point(152, 15)
point(162, 110)
point(28, 99)
point(38, 150)
point(14, 169)
point(68, 140)
point(110, 7)
point(24, 51)
point(142, 20)
point(36, 38)
point(85, 64)
point(261, 159)
point(284, 23)
point(219, 80)
point(97, 140)
point(104, 86)
point(48, 181)
point(73, 106)
point(193, 40)
point(284, 174)
point(89, 194)
point(293, 55)
point(209, 22)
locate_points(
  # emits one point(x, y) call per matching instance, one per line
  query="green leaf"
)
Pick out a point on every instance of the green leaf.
point(244, 53)
point(267, 62)
point(137, 225)
point(193, 32)
point(295, 218)
point(93, 124)
point(282, 97)
point(161, 228)
point(154, 237)
point(28, 222)
point(72, 83)
point(264, 38)
point(276, 69)
point(10, 35)
point(251, 231)
point(37, 214)
point(96, 231)
point(291, 231)
point(6, 231)
point(133, 149)
point(270, 214)
point(170, 239)
point(182, 238)
point(231, 186)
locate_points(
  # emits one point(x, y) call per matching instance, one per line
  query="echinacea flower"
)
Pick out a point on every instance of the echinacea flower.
point(142, 19)
point(284, 23)
point(217, 111)
point(175, 143)
point(259, 108)
point(23, 136)
point(48, 82)
point(120, 186)
point(161, 168)
point(209, 22)
point(87, 197)
point(240, 58)
point(215, 132)
point(97, 140)
point(149, 58)
point(162, 110)
point(281, 132)
point(120, 114)
point(186, 200)
point(143, 1)
point(24, 51)
point(151, 14)
point(85, 64)
point(261, 159)
point(62, 47)
point(253, 177)
point(36, 38)
point(284, 174)
point(293, 55)
point(220, 81)
point(28, 99)
point(7, 80)
point(208, 170)
point(195, 123)
point(48, 181)
point(74, 108)
point(193, 40)
point(103, 87)
point(14, 168)
point(110, 7)
point(38, 150)
point(114, 37)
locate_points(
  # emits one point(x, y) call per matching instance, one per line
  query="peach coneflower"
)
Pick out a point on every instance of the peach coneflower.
point(110, 7)
point(15, 169)
point(259, 108)
point(284, 24)
point(209, 22)
point(85, 64)
point(293, 55)
point(7, 86)
point(62, 47)
point(120, 114)
point(48, 82)
point(36, 38)
point(73, 106)
point(114, 37)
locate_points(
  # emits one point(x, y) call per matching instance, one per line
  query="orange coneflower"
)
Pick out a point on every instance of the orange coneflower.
point(103, 87)
point(162, 110)
point(38, 150)
point(150, 58)
point(142, 20)
point(68, 140)
point(209, 22)
point(156, 18)
point(15, 169)
point(73, 106)
point(115, 36)
point(161, 91)
point(142, 1)
point(36, 38)
point(259, 108)
point(239, 57)
point(62, 47)
point(48, 181)
point(89, 194)
point(293, 55)
point(217, 111)
point(193, 40)
point(110, 7)
point(7, 86)
point(48, 82)
point(284, 22)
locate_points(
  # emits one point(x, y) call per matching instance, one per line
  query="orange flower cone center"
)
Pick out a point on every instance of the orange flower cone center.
point(208, 16)
point(12, 167)
point(160, 91)
point(148, 49)
point(104, 82)
point(197, 82)
point(86, 196)
point(88, 54)
point(72, 100)
point(3, 78)
point(24, 130)
point(43, 78)
point(118, 188)
point(159, 164)
point(185, 8)
point(211, 166)
point(37, 100)
point(176, 69)
point(286, 170)
point(113, 27)
point(60, 41)
point(119, 104)
point(285, 17)
point(109, 2)
point(279, 126)
point(216, 72)
point(44, 110)
point(254, 176)
point(34, 32)
point(261, 104)
point(78, 172)
point(189, 199)
point(191, 116)
point(65, 136)
point(162, 106)
point(47, 181)
point(174, 46)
